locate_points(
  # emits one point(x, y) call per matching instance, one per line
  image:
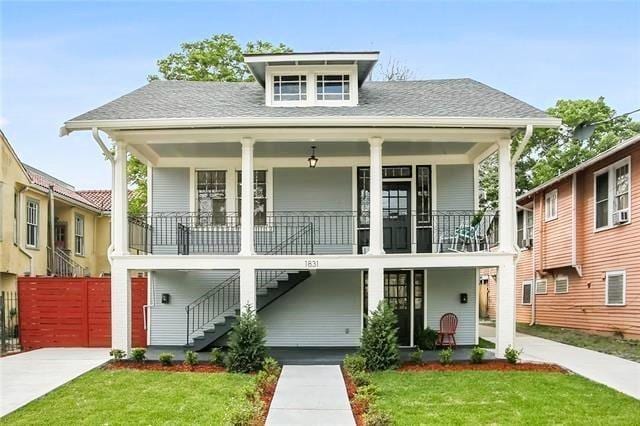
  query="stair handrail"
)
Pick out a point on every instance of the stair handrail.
point(62, 264)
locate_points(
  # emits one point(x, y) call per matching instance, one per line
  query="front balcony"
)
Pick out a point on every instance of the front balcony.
point(314, 232)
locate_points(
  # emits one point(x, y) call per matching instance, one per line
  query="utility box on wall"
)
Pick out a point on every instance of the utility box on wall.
point(464, 298)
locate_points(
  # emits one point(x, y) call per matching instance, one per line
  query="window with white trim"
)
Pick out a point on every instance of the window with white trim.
point(211, 198)
point(615, 288)
point(33, 220)
point(541, 286)
point(524, 220)
point(259, 196)
point(16, 208)
point(612, 192)
point(289, 88)
point(332, 87)
point(551, 205)
point(526, 292)
point(562, 284)
point(79, 235)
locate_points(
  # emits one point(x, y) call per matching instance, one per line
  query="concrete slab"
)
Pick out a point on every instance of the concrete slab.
point(310, 395)
point(30, 375)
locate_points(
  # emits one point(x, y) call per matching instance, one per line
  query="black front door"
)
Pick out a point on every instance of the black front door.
point(397, 295)
point(396, 213)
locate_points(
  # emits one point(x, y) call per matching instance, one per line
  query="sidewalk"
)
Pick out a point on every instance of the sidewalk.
point(310, 395)
point(617, 373)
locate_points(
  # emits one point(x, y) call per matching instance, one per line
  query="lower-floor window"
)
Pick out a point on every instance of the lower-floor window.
point(33, 212)
point(526, 292)
point(79, 235)
point(562, 284)
point(616, 283)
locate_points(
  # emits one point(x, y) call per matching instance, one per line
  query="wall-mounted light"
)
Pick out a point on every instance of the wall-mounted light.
point(313, 160)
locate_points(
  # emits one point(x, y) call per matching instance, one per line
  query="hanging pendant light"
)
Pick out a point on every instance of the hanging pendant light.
point(313, 160)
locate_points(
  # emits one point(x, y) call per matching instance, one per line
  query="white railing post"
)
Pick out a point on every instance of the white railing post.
point(246, 222)
point(120, 201)
point(375, 197)
point(506, 197)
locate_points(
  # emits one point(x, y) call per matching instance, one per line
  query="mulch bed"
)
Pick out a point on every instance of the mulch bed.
point(157, 366)
point(489, 365)
point(358, 411)
point(266, 395)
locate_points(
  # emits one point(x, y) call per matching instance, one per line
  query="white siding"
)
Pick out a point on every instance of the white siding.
point(443, 295)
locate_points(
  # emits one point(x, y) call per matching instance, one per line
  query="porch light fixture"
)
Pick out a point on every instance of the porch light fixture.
point(313, 160)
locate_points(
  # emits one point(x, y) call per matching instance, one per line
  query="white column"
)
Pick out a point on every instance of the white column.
point(506, 197)
point(375, 288)
point(505, 308)
point(246, 227)
point(247, 287)
point(120, 307)
point(120, 202)
point(375, 197)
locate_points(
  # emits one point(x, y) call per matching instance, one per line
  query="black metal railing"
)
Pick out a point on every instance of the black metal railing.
point(9, 326)
point(140, 235)
point(456, 231)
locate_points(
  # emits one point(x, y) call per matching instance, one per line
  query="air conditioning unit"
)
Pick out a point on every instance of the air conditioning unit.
point(621, 216)
point(527, 242)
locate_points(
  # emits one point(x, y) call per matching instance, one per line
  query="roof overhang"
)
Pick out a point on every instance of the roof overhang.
point(365, 61)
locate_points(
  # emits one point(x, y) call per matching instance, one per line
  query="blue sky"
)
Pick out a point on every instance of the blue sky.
point(60, 59)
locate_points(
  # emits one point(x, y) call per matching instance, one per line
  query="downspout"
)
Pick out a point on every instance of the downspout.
point(514, 159)
point(109, 155)
point(52, 224)
point(532, 321)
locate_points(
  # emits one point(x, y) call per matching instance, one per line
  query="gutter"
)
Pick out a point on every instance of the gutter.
point(532, 321)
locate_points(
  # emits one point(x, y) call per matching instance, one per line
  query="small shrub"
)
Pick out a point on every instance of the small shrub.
point(139, 354)
point(217, 357)
point(364, 401)
point(369, 390)
point(377, 417)
point(416, 356)
point(247, 349)
point(117, 354)
point(265, 381)
point(190, 358)
point(166, 358)
point(271, 366)
point(446, 356)
point(379, 341)
point(240, 413)
point(512, 354)
point(353, 363)
point(360, 378)
point(427, 338)
point(477, 354)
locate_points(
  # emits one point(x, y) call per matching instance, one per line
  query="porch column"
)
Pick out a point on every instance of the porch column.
point(375, 197)
point(505, 308)
point(120, 201)
point(375, 287)
point(120, 307)
point(247, 287)
point(246, 223)
point(506, 197)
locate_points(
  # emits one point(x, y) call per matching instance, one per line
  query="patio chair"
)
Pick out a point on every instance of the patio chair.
point(447, 332)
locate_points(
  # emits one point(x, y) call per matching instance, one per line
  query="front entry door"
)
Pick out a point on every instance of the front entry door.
point(397, 294)
point(396, 213)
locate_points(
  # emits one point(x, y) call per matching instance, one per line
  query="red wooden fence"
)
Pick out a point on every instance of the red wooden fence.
point(74, 312)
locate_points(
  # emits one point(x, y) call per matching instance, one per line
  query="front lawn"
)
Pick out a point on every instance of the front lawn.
point(624, 348)
point(482, 397)
point(135, 397)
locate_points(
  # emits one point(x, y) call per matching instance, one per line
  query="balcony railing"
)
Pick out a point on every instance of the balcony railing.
point(314, 232)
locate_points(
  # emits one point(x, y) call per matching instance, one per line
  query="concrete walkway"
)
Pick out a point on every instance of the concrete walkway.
point(310, 395)
point(617, 373)
point(29, 375)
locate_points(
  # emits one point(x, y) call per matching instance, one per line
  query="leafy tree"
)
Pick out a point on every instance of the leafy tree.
point(379, 341)
point(137, 176)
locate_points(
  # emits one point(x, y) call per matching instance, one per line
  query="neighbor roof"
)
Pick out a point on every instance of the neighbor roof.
point(44, 181)
point(464, 98)
point(100, 198)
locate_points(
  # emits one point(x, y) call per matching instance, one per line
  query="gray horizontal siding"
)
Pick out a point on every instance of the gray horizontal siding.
point(454, 187)
point(169, 193)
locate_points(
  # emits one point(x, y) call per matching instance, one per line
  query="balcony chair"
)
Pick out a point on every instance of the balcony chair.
point(447, 332)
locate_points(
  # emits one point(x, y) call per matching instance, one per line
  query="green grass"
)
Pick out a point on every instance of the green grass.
point(487, 397)
point(624, 348)
point(135, 397)
point(484, 343)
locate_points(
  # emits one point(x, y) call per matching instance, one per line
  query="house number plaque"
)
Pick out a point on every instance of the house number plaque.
point(311, 264)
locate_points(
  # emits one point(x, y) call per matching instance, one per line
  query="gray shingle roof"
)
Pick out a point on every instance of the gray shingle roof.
point(429, 98)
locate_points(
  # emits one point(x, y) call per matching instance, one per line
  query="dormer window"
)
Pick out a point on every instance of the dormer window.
point(332, 87)
point(289, 88)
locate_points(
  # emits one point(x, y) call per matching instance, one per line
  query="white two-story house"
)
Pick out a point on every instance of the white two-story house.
point(361, 191)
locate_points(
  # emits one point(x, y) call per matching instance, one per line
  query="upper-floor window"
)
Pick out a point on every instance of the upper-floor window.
point(259, 196)
point(612, 191)
point(33, 222)
point(551, 205)
point(289, 88)
point(211, 190)
point(525, 228)
point(332, 87)
point(79, 235)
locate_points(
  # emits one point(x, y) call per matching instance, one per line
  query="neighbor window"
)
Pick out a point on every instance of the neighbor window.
point(289, 88)
point(562, 284)
point(16, 208)
point(79, 235)
point(332, 87)
point(211, 197)
point(526, 292)
point(541, 286)
point(615, 288)
point(551, 205)
point(612, 188)
point(33, 212)
point(259, 196)
point(524, 222)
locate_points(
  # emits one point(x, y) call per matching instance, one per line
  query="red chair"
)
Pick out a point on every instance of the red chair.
point(447, 332)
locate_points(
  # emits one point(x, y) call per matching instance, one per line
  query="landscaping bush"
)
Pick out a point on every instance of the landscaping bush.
point(512, 354)
point(117, 354)
point(426, 339)
point(477, 354)
point(166, 358)
point(139, 354)
point(217, 357)
point(241, 413)
point(353, 363)
point(446, 356)
point(372, 390)
point(247, 343)
point(416, 356)
point(265, 381)
point(379, 341)
point(360, 378)
point(190, 358)
point(271, 366)
point(377, 417)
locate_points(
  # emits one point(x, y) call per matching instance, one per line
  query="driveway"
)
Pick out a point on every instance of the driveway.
point(617, 373)
point(29, 375)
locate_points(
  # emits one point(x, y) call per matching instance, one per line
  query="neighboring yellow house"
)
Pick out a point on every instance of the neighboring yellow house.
point(70, 240)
